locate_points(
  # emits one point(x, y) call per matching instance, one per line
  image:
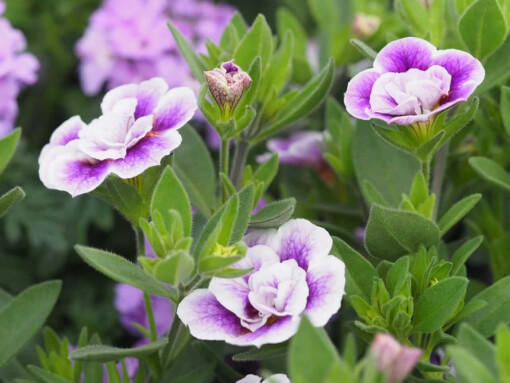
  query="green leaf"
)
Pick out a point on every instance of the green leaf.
point(415, 15)
point(257, 42)
point(47, 376)
point(491, 171)
point(364, 49)
point(274, 214)
point(396, 276)
point(482, 27)
point(455, 124)
point(457, 212)
point(462, 254)
point(437, 21)
point(496, 312)
point(476, 344)
point(469, 368)
point(103, 353)
point(175, 269)
point(195, 63)
point(392, 233)
point(242, 220)
point(302, 103)
point(361, 271)
point(24, 315)
point(497, 68)
point(311, 354)
point(389, 169)
point(121, 270)
point(419, 189)
point(435, 306)
point(326, 13)
point(267, 351)
point(339, 141)
point(503, 353)
point(169, 194)
point(372, 195)
point(286, 21)
point(8, 146)
point(194, 167)
point(11, 198)
point(505, 108)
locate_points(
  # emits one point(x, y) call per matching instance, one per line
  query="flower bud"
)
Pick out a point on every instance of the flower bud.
point(396, 360)
point(227, 85)
point(365, 25)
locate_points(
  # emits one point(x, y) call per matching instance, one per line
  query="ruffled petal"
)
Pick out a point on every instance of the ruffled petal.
point(67, 131)
point(207, 319)
point(404, 54)
point(175, 109)
point(326, 283)
point(357, 96)
point(148, 152)
point(271, 333)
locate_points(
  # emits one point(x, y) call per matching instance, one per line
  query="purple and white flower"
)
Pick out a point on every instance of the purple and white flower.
point(139, 127)
point(411, 82)
point(277, 378)
point(396, 360)
point(293, 274)
point(17, 70)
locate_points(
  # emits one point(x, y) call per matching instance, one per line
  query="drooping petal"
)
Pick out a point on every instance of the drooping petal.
point(404, 54)
point(326, 282)
point(466, 71)
point(207, 319)
point(175, 109)
point(278, 331)
point(302, 241)
point(357, 96)
point(68, 169)
point(67, 131)
point(148, 152)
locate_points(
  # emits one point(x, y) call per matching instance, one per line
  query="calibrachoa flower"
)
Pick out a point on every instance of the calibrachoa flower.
point(278, 378)
point(227, 85)
point(292, 275)
point(396, 360)
point(137, 129)
point(411, 82)
point(17, 69)
point(129, 41)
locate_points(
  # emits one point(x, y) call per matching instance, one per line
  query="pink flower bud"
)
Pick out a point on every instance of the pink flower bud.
point(227, 85)
point(396, 360)
point(365, 25)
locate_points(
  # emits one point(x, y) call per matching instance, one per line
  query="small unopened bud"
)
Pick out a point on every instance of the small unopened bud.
point(365, 25)
point(396, 360)
point(227, 85)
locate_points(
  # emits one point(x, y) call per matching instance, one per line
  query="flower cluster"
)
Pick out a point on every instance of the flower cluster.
point(292, 274)
point(137, 129)
point(129, 41)
point(411, 82)
point(17, 69)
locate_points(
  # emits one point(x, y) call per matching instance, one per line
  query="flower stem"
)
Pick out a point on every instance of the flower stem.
point(425, 167)
point(239, 162)
point(150, 316)
point(224, 156)
point(140, 242)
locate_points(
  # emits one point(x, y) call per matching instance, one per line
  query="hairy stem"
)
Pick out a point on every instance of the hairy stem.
point(239, 162)
point(150, 316)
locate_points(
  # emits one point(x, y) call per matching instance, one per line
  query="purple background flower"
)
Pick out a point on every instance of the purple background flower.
point(293, 274)
point(137, 129)
point(17, 69)
point(129, 41)
point(412, 81)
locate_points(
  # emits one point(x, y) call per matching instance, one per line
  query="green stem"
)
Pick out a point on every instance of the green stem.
point(239, 162)
point(140, 242)
point(438, 175)
point(425, 167)
point(150, 316)
point(224, 156)
point(167, 354)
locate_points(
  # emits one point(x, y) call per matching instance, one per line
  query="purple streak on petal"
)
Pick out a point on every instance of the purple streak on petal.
point(175, 109)
point(302, 241)
point(149, 93)
point(357, 96)
point(326, 281)
point(404, 54)
point(67, 131)
point(466, 71)
point(207, 319)
point(146, 153)
point(278, 331)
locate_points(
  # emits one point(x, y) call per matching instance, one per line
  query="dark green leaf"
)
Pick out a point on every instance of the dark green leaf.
point(274, 214)
point(457, 212)
point(10, 199)
point(491, 171)
point(103, 353)
point(195, 63)
point(8, 146)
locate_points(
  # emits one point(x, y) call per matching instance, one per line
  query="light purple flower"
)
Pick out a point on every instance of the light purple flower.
point(411, 82)
point(292, 275)
point(277, 378)
point(137, 129)
point(129, 41)
point(396, 360)
point(300, 149)
point(130, 305)
point(17, 70)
